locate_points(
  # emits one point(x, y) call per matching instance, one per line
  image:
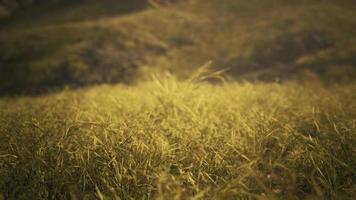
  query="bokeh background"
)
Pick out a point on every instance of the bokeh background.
point(47, 45)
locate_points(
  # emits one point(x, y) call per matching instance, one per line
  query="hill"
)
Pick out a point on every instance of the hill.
point(93, 42)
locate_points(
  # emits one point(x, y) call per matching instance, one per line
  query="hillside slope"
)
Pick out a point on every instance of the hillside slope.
point(109, 41)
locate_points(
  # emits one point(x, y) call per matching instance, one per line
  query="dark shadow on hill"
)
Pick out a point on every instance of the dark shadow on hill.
point(53, 12)
point(71, 55)
point(109, 59)
point(283, 58)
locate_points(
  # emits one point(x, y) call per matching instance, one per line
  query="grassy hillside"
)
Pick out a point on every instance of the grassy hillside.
point(166, 139)
point(109, 41)
point(281, 37)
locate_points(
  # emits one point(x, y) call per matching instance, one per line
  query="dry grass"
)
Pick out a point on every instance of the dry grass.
point(169, 139)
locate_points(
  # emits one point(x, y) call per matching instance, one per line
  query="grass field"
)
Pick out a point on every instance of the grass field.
point(271, 116)
point(169, 139)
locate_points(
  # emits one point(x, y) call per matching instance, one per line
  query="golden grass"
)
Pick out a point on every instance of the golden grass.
point(169, 139)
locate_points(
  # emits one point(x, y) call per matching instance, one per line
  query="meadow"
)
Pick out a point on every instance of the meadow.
point(171, 139)
point(107, 100)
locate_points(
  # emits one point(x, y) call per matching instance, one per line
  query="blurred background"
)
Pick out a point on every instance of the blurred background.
point(46, 45)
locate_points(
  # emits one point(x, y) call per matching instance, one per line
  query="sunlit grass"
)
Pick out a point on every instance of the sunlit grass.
point(169, 139)
point(188, 136)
